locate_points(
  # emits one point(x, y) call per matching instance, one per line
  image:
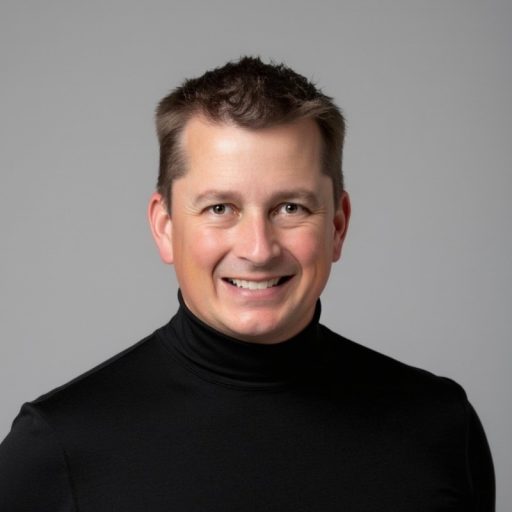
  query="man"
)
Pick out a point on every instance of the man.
point(244, 401)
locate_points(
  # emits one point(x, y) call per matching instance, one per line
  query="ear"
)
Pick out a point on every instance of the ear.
point(341, 220)
point(161, 227)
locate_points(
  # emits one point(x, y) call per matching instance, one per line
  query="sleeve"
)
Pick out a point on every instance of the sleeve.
point(480, 465)
point(33, 469)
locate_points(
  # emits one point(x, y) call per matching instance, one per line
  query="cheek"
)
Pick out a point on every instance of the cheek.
point(205, 247)
point(310, 247)
point(198, 255)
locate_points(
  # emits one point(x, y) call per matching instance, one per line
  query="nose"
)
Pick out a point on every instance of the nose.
point(256, 239)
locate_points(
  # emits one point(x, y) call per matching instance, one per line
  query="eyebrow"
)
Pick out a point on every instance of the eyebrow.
point(216, 196)
point(297, 194)
point(223, 196)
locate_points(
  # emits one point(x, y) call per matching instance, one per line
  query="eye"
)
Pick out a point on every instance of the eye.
point(291, 209)
point(219, 209)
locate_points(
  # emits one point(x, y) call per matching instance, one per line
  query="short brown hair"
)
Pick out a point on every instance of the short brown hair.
point(254, 95)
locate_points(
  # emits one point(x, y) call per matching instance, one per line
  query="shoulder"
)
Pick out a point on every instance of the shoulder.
point(34, 467)
point(76, 421)
point(413, 403)
point(127, 377)
point(422, 412)
point(376, 376)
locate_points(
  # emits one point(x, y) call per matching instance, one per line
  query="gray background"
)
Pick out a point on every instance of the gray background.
point(426, 89)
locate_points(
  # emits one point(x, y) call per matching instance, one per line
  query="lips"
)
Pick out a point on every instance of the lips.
point(257, 285)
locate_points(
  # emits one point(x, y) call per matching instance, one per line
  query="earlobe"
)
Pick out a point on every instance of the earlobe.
point(161, 227)
point(341, 220)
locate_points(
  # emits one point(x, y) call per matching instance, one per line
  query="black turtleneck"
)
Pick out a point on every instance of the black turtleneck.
point(225, 360)
point(191, 420)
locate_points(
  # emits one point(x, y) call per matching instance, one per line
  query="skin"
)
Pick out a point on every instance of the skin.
point(252, 206)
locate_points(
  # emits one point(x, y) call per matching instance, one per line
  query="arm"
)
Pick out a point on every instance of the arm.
point(479, 464)
point(33, 468)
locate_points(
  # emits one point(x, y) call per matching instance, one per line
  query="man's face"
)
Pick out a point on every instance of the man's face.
point(253, 229)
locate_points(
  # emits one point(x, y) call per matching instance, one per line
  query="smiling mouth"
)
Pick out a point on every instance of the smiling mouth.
point(257, 285)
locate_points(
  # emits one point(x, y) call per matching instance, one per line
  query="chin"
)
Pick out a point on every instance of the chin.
point(257, 330)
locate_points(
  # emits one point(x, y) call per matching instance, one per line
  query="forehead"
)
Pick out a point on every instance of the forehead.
point(281, 148)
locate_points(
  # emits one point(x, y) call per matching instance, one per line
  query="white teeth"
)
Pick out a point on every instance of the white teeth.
point(254, 285)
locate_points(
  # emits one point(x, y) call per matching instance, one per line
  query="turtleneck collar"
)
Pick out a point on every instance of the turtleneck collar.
point(222, 359)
